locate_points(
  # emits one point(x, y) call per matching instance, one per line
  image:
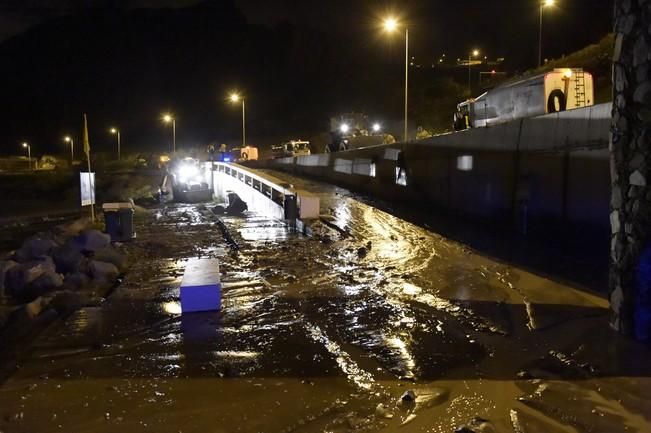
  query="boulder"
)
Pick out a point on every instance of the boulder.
point(236, 205)
point(34, 308)
point(219, 210)
point(103, 272)
point(34, 249)
point(67, 258)
point(76, 281)
point(111, 255)
point(46, 282)
point(74, 228)
point(4, 315)
point(5, 266)
point(91, 241)
point(19, 277)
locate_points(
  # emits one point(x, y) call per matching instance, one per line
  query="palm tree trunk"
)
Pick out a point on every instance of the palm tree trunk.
point(630, 149)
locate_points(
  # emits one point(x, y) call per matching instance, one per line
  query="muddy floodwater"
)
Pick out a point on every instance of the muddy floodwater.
point(325, 334)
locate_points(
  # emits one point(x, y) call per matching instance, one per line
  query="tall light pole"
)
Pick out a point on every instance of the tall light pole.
point(69, 139)
point(29, 154)
point(235, 98)
point(116, 131)
point(473, 53)
point(543, 4)
point(168, 118)
point(391, 25)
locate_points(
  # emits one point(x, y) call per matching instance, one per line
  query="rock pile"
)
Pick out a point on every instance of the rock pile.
point(71, 261)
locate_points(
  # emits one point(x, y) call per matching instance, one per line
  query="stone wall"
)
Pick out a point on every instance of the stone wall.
point(630, 217)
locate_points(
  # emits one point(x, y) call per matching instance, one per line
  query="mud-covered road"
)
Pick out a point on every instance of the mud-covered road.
point(325, 333)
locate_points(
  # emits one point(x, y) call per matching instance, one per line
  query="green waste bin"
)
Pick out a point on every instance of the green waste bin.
point(118, 218)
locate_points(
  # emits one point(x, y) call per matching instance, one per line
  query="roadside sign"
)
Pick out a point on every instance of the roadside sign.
point(87, 188)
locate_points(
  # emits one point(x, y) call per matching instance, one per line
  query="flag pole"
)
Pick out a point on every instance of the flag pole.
point(90, 176)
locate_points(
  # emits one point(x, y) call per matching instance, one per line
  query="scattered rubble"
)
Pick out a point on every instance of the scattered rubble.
point(408, 397)
point(69, 258)
point(477, 425)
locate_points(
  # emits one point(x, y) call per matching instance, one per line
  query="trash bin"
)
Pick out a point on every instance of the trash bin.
point(291, 207)
point(118, 218)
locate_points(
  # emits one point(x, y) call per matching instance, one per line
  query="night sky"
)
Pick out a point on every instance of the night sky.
point(299, 61)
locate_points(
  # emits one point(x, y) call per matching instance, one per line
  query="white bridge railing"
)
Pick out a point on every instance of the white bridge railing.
point(262, 193)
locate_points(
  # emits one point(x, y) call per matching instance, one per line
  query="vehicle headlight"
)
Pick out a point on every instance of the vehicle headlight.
point(187, 173)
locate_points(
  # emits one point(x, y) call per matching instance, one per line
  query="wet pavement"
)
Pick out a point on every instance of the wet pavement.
point(325, 334)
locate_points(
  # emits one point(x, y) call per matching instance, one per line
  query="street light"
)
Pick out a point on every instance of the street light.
point(29, 154)
point(235, 98)
point(168, 118)
point(391, 25)
point(69, 139)
point(377, 127)
point(344, 128)
point(543, 4)
point(116, 131)
point(473, 53)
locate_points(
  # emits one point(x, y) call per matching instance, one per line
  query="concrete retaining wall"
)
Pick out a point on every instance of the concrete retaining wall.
point(548, 169)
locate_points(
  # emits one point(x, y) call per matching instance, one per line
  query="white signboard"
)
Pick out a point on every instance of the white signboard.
point(87, 188)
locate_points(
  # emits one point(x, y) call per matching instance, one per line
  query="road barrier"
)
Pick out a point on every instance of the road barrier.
point(530, 172)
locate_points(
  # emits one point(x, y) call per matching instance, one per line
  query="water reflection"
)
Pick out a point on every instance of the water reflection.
point(172, 307)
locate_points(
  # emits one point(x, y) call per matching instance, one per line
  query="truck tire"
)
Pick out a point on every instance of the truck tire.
point(556, 98)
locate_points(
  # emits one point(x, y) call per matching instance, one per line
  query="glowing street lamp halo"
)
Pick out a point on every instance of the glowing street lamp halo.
point(377, 127)
point(234, 97)
point(25, 144)
point(549, 3)
point(167, 118)
point(475, 53)
point(67, 139)
point(344, 128)
point(390, 24)
point(113, 130)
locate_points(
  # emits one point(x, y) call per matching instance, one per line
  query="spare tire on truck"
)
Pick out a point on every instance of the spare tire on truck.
point(556, 102)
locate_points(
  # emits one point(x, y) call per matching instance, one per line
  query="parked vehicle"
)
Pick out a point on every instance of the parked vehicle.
point(559, 90)
point(291, 148)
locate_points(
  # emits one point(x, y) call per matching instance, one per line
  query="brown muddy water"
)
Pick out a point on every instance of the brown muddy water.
point(325, 334)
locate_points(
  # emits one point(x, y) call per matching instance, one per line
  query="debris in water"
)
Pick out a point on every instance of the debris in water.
point(477, 425)
point(382, 412)
point(410, 418)
point(408, 397)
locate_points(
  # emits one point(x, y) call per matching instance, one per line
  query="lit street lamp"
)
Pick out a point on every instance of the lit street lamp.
point(391, 25)
point(473, 53)
point(29, 154)
point(543, 4)
point(116, 131)
point(168, 118)
point(376, 127)
point(69, 139)
point(235, 98)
